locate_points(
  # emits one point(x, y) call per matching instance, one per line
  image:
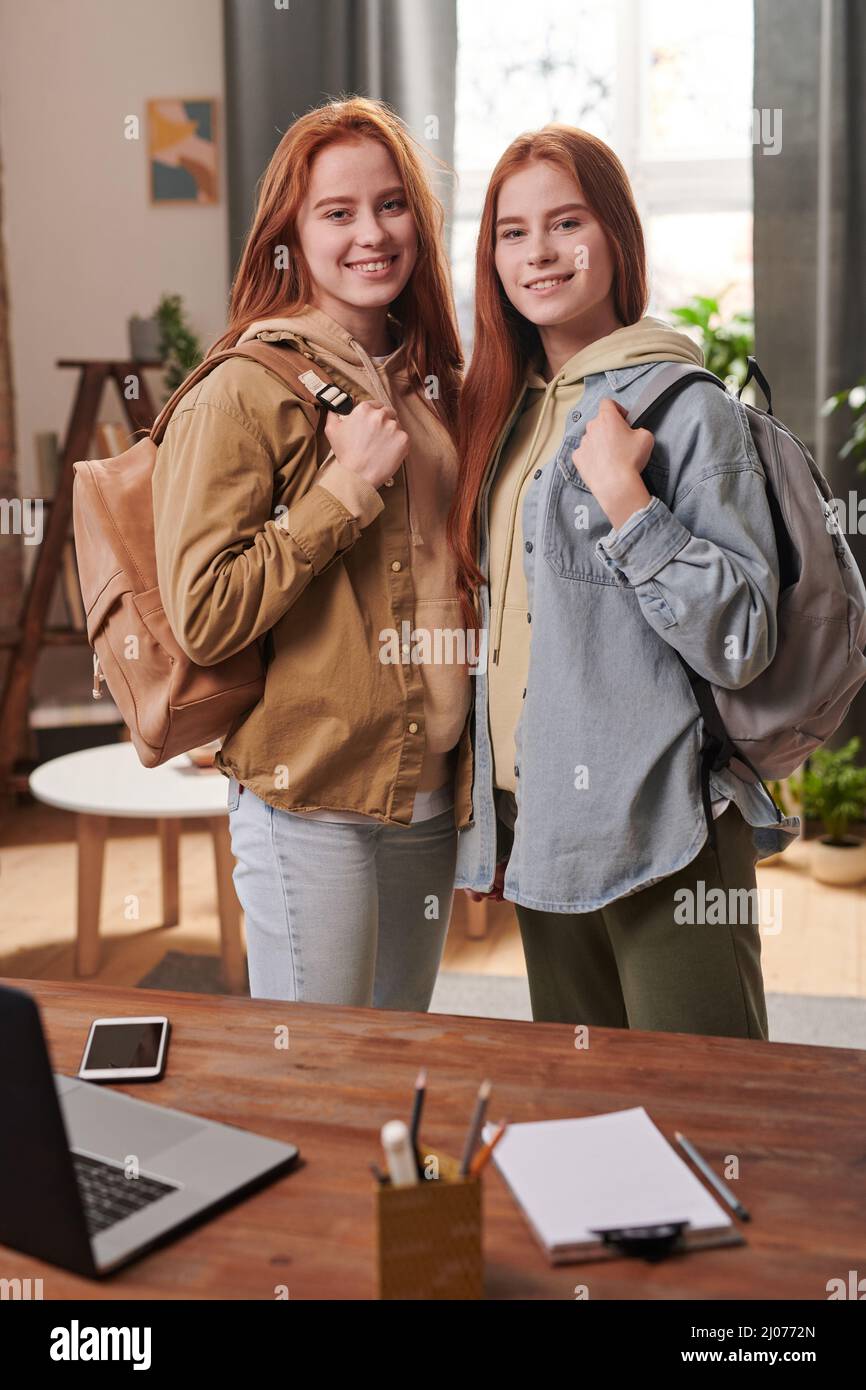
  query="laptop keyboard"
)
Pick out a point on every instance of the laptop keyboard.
point(108, 1196)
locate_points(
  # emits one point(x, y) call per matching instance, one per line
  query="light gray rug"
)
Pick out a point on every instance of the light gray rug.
point(796, 1018)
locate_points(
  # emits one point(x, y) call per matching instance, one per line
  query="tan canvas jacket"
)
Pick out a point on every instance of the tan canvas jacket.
point(262, 534)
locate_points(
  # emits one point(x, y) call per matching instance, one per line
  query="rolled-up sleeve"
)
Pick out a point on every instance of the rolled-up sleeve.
point(227, 568)
point(706, 573)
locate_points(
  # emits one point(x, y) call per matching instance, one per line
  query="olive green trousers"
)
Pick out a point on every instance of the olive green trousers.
point(632, 964)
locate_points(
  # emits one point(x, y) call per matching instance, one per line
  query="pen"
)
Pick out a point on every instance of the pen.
point(482, 1157)
point(417, 1107)
point(475, 1127)
point(722, 1189)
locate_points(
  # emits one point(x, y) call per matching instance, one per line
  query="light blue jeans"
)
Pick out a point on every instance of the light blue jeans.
point(342, 914)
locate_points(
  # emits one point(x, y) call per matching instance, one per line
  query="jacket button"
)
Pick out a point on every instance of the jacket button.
point(529, 546)
point(413, 727)
point(537, 473)
point(395, 565)
point(529, 617)
point(523, 696)
point(575, 415)
point(516, 770)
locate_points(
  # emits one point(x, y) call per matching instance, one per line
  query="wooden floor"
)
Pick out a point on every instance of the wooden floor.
point(820, 948)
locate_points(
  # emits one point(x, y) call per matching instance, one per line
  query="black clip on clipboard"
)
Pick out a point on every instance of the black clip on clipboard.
point(650, 1243)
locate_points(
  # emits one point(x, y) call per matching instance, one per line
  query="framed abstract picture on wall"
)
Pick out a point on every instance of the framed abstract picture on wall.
point(182, 148)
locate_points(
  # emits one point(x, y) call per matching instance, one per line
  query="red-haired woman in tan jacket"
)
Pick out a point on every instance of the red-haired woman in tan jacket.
point(349, 779)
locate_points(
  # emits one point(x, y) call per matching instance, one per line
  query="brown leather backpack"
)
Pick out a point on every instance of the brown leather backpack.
point(169, 704)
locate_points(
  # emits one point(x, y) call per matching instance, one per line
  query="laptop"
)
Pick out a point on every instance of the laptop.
point(64, 1193)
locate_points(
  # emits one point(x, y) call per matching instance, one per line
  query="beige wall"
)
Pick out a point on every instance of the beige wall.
point(85, 248)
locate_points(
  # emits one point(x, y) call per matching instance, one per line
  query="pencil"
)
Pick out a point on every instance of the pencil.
point(482, 1157)
point(417, 1107)
point(475, 1127)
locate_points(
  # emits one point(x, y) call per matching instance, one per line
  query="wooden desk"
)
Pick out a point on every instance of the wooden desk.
point(793, 1115)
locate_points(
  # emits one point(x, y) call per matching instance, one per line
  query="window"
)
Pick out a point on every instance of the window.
point(635, 73)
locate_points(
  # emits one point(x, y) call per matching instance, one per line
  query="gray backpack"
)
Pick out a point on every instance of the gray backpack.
point(770, 726)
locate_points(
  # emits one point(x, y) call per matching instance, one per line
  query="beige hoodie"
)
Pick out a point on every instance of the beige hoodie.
point(534, 438)
point(431, 473)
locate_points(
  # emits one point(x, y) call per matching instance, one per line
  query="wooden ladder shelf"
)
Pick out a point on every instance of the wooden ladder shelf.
point(27, 640)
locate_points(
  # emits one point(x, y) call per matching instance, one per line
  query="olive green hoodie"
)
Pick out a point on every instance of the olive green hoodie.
point(534, 438)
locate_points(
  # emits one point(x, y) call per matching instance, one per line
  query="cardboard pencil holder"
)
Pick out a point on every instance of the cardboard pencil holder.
point(429, 1236)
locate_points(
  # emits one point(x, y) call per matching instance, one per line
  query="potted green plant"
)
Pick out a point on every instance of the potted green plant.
point(833, 790)
point(726, 345)
point(166, 339)
point(180, 349)
point(855, 399)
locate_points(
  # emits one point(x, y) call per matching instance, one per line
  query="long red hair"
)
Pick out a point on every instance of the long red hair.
point(505, 341)
point(424, 308)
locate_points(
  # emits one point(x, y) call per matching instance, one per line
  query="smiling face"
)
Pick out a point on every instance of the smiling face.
point(542, 220)
point(356, 230)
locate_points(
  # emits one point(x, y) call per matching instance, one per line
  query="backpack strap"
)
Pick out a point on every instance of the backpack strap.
point(717, 749)
point(291, 366)
point(672, 379)
point(755, 371)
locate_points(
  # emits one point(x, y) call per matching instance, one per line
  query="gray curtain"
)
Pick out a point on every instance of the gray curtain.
point(809, 238)
point(281, 62)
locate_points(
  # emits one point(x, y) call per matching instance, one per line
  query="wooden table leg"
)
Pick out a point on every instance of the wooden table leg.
point(92, 834)
point(168, 838)
point(234, 973)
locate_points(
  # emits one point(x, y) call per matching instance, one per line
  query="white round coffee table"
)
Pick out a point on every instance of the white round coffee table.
point(110, 781)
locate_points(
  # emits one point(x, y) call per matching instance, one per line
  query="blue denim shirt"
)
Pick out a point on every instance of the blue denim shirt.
point(608, 743)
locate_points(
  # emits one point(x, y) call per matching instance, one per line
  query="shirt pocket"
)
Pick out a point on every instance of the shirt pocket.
point(575, 523)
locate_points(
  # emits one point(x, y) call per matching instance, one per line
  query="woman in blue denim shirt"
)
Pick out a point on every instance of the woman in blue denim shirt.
point(613, 550)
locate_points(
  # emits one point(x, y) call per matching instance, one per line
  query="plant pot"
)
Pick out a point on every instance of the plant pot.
point(839, 863)
point(144, 336)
